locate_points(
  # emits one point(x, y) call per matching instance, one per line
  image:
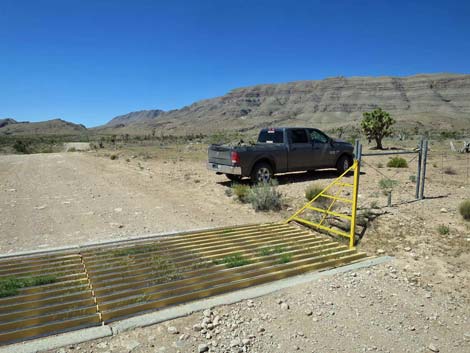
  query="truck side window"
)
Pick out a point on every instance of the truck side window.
point(299, 136)
point(317, 137)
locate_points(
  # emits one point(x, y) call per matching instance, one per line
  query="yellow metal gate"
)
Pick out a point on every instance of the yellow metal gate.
point(335, 193)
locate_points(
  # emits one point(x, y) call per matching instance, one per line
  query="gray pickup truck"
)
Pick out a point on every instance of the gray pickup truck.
point(281, 150)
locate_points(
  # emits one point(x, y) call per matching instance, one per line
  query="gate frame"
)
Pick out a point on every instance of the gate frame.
point(422, 152)
point(355, 186)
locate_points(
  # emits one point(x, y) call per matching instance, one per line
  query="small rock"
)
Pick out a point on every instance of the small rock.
point(443, 210)
point(250, 303)
point(131, 345)
point(308, 312)
point(40, 207)
point(203, 348)
point(102, 345)
point(245, 341)
point(235, 343)
point(197, 327)
point(407, 248)
point(380, 251)
point(433, 348)
point(207, 313)
point(285, 306)
point(173, 330)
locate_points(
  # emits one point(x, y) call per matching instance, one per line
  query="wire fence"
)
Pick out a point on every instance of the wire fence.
point(386, 183)
point(446, 171)
point(449, 168)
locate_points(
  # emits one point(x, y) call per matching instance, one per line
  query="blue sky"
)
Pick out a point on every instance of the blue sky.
point(88, 61)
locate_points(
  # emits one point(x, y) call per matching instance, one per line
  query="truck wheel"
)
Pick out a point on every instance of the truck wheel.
point(344, 162)
point(262, 173)
point(233, 177)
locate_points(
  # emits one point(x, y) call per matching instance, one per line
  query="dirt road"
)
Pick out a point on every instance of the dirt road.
point(418, 303)
point(50, 200)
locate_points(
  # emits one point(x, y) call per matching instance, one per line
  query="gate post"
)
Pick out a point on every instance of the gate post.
point(418, 175)
point(352, 234)
point(423, 176)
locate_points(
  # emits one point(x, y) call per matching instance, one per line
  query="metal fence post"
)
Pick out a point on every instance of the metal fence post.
point(420, 161)
point(423, 176)
point(356, 147)
point(359, 153)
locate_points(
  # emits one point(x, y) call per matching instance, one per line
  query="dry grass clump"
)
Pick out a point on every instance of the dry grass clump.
point(312, 190)
point(397, 162)
point(262, 196)
point(450, 171)
point(464, 209)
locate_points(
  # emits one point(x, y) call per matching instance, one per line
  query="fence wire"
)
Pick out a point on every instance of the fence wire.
point(445, 172)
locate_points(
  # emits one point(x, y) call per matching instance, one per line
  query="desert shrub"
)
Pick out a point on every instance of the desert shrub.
point(443, 229)
point(241, 191)
point(450, 171)
point(397, 162)
point(72, 149)
point(312, 190)
point(374, 204)
point(387, 184)
point(113, 157)
point(22, 147)
point(380, 165)
point(265, 197)
point(412, 178)
point(464, 209)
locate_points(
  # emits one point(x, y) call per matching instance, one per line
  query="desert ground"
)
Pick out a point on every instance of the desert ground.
point(419, 302)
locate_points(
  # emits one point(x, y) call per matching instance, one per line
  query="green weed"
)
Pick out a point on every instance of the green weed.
point(234, 260)
point(11, 285)
point(135, 251)
point(443, 229)
point(278, 249)
point(285, 258)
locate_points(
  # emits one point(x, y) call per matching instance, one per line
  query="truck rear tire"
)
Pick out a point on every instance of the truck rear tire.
point(343, 164)
point(262, 173)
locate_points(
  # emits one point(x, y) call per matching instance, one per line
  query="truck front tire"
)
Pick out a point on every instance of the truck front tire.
point(262, 173)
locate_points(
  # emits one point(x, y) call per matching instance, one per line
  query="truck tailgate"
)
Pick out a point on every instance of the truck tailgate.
point(220, 154)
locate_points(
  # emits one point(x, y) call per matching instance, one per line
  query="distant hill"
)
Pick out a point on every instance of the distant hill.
point(441, 101)
point(6, 121)
point(49, 127)
point(139, 117)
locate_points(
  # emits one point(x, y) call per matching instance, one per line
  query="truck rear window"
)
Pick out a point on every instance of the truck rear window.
point(271, 136)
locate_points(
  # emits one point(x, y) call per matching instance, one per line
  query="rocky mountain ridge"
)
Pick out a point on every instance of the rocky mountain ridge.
point(436, 100)
point(428, 101)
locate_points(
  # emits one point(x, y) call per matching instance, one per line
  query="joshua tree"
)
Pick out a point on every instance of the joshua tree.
point(377, 125)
